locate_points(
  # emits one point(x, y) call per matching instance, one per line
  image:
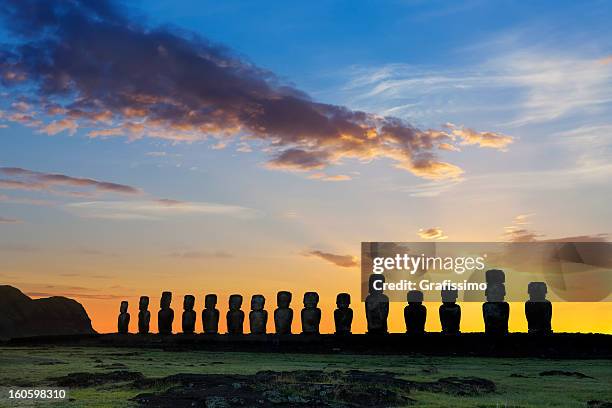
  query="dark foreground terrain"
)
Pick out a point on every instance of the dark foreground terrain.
point(154, 377)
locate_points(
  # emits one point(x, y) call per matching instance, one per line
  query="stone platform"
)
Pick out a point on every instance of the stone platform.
point(558, 345)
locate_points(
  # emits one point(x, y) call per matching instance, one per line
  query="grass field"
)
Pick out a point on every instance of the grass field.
point(518, 382)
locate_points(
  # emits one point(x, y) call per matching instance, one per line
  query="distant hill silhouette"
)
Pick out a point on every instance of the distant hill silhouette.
point(21, 316)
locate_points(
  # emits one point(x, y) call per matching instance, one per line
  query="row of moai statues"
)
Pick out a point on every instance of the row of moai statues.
point(496, 312)
point(258, 316)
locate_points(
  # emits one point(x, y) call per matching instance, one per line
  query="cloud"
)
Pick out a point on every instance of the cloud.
point(58, 126)
point(344, 261)
point(482, 139)
point(327, 177)
point(164, 84)
point(201, 254)
point(432, 233)
point(526, 84)
point(519, 232)
point(300, 160)
point(24, 179)
point(603, 237)
point(4, 220)
point(154, 209)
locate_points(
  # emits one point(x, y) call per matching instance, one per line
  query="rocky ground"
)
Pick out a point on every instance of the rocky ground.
point(156, 378)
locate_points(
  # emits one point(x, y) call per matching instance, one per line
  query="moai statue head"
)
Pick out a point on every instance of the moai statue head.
point(165, 300)
point(311, 299)
point(495, 276)
point(374, 278)
point(495, 292)
point(124, 306)
point(450, 295)
point(235, 302)
point(210, 301)
point(343, 300)
point(188, 302)
point(283, 299)
point(415, 296)
point(537, 291)
point(258, 302)
point(143, 304)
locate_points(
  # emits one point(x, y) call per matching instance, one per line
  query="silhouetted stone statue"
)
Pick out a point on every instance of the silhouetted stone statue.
point(415, 313)
point(343, 315)
point(377, 306)
point(538, 309)
point(235, 316)
point(258, 317)
point(283, 315)
point(311, 314)
point(165, 316)
point(495, 310)
point(123, 322)
point(189, 315)
point(210, 315)
point(144, 316)
point(495, 277)
point(450, 312)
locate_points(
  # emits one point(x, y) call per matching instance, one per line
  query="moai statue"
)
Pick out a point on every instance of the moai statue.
point(235, 316)
point(123, 322)
point(210, 315)
point(189, 315)
point(538, 309)
point(165, 316)
point(343, 315)
point(450, 312)
point(495, 310)
point(377, 306)
point(144, 316)
point(258, 317)
point(311, 314)
point(283, 315)
point(415, 313)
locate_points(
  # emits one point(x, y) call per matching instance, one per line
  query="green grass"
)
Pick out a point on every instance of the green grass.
point(34, 366)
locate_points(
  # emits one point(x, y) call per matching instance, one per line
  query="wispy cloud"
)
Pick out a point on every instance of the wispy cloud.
point(523, 85)
point(154, 209)
point(583, 173)
point(24, 179)
point(435, 233)
point(344, 261)
point(519, 231)
point(329, 177)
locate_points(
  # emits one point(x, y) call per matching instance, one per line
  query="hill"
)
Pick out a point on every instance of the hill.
point(25, 317)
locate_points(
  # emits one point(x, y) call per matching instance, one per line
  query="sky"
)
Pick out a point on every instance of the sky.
point(234, 147)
